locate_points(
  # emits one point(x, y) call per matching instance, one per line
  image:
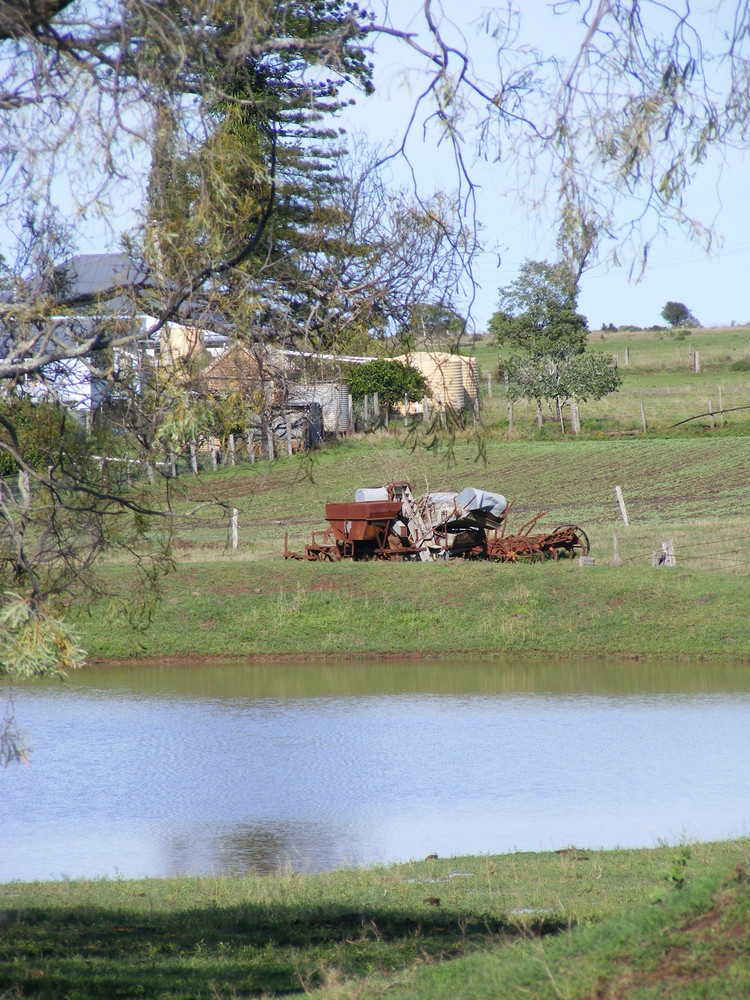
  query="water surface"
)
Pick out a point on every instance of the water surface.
point(191, 770)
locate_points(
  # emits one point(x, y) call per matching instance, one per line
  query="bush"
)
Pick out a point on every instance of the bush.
point(391, 380)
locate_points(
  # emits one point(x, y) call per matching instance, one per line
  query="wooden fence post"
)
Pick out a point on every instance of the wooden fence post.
point(616, 560)
point(721, 410)
point(575, 418)
point(696, 361)
point(711, 414)
point(231, 449)
point(665, 556)
point(621, 502)
point(643, 417)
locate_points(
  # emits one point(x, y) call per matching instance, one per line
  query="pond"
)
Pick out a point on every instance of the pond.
point(148, 771)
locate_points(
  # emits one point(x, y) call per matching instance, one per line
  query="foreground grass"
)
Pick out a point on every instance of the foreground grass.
point(572, 923)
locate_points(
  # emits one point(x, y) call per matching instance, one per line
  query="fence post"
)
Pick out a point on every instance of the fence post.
point(721, 410)
point(616, 560)
point(489, 386)
point(643, 417)
point(696, 361)
point(406, 410)
point(212, 449)
point(711, 414)
point(623, 511)
point(665, 556)
point(425, 410)
point(193, 458)
point(251, 447)
point(510, 415)
point(575, 418)
point(627, 357)
point(231, 449)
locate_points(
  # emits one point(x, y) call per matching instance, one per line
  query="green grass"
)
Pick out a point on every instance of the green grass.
point(490, 926)
point(240, 608)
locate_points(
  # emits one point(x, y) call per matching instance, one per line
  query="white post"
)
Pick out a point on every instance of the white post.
point(643, 417)
point(616, 561)
point(721, 410)
point(193, 458)
point(711, 414)
point(623, 511)
point(251, 447)
point(489, 386)
point(697, 361)
point(575, 418)
point(231, 449)
point(627, 357)
point(406, 410)
point(510, 415)
point(213, 450)
point(234, 524)
point(269, 441)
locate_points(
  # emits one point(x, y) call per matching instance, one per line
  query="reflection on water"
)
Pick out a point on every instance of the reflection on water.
point(162, 771)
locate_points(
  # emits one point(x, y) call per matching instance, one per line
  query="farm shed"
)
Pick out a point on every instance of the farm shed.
point(334, 399)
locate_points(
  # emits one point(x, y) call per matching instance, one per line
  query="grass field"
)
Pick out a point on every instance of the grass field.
point(666, 921)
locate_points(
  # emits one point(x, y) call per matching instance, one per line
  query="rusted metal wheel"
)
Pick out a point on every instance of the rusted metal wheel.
point(574, 541)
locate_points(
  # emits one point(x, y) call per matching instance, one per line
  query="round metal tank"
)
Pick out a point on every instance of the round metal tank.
point(368, 493)
point(443, 372)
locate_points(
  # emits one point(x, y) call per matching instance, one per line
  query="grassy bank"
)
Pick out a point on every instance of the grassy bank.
point(573, 923)
point(243, 608)
point(252, 602)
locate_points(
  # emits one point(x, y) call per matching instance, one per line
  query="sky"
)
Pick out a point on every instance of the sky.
point(713, 286)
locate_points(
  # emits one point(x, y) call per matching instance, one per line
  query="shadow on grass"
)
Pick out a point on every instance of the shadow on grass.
point(226, 951)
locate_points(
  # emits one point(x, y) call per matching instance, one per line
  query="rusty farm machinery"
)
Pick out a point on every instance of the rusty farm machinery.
point(388, 522)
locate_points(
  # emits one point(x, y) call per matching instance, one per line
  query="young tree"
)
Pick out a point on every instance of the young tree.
point(545, 337)
point(678, 314)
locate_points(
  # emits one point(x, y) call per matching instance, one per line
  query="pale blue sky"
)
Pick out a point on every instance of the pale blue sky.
point(713, 286)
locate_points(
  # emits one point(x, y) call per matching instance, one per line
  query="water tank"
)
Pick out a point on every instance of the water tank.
point(367, 493)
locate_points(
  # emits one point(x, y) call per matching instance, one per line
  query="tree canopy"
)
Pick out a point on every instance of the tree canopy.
point(544, 339)
point(678, 314)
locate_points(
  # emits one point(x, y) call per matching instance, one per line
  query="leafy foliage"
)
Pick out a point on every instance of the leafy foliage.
point(580, 377)
point(391, 380)
point(537, 313)
point(539, 322)
point(678, 314)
